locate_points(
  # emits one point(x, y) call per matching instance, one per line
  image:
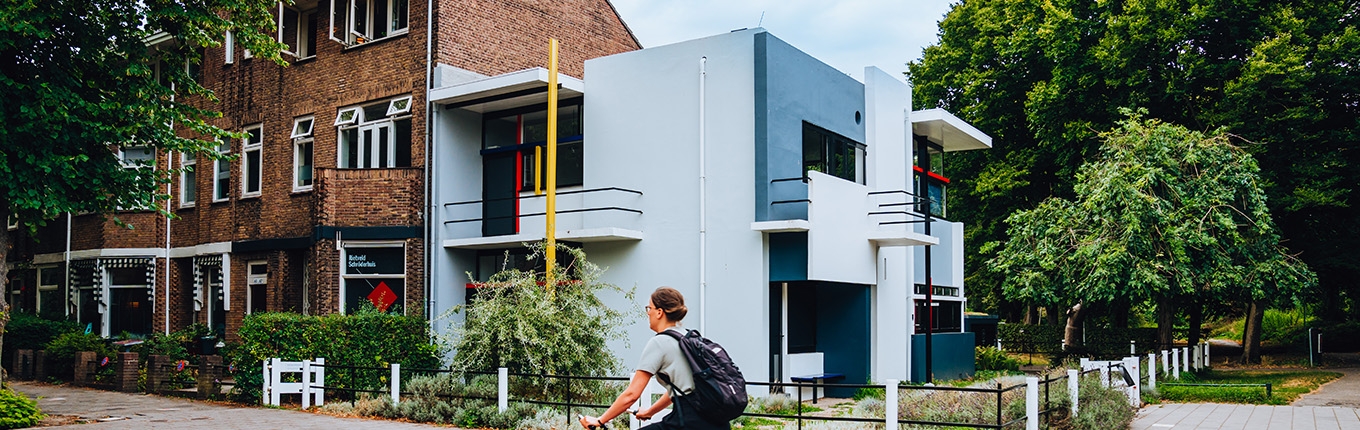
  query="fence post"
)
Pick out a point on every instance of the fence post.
point(1206, 355)
point(1132, 347)
point(1199, 356)
point(1185, 356)
point(1135, 390)
point(1073, 377)
point(890, 403)
point(1176, 363)
point(320, 380)
point(272, 380)
point(1031, 403)
point(396, 383)
point(503, 389)
point(1152, 371)
point(306, 384)
point(1166, 367)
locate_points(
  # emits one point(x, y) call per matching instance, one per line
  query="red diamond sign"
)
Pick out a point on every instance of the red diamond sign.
point(382, 297)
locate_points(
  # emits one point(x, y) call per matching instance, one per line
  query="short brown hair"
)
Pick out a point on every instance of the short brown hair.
point(671, 302)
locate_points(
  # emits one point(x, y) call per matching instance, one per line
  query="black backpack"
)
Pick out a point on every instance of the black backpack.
point(719, 389)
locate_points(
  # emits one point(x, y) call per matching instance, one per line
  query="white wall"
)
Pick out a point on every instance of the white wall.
point(642, 132)
point(887, 106)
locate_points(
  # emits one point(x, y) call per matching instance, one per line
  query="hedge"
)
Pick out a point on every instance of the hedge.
point(367, 338)
point(1100, 342)
point(28, 331)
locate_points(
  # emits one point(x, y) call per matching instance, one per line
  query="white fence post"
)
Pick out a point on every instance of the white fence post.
point(1132, 347)
point(319, 378)
point(306, 384)
point(1073, 377)
point(1031, 403)
point(1185, 355)
point(396, 383)
point(1166, 366)
point(1135, 390)
point(1152, 371)
point(264, 391)
point(1176, 363)
point(1198, 358)
point(274, 373)
point(1206, 355)
point(502, 389)
point(890, 403)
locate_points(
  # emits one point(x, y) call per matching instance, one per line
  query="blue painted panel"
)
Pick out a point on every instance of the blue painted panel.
point(788, 257)
point(955, 356)
point(792, 87)
point(843, 329)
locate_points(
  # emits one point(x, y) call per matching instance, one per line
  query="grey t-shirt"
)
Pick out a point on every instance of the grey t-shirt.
point(662, 356)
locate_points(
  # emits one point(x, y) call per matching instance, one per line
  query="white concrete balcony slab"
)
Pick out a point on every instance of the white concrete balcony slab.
point(583, 215)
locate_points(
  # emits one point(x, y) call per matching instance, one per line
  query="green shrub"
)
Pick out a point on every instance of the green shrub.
point(990, 358)
point(61, 354)
point(447, 399)
point(517, 323)
point(17, 411)
point(366, 338)
point(28, 331)
point(1101, 408)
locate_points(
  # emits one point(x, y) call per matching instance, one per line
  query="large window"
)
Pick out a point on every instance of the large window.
point(50, 299)
point(188, 181)
point(297, 30)
point(355, 22)
point(526, 131)
point(222, 174)
point(928, 164)
point(948, 316)
point(832, 154)
point(257, 281)
point(373, 273)
point(375, 136)
point(252, 148)
point(302, 153)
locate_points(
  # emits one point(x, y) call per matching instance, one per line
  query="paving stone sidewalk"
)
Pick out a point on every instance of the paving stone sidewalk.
point(1334, 406)
point(111, 410)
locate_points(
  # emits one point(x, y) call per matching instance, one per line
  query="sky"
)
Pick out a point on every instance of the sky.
point(847, 34)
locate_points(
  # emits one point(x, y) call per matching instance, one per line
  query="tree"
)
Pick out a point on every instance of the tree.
point(1161, 214)
point(80, 84)
point(1043, 76)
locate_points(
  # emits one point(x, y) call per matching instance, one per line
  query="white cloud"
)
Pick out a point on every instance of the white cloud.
point(848, 34)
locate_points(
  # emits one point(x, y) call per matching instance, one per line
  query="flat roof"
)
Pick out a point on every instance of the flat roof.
point(948, 131)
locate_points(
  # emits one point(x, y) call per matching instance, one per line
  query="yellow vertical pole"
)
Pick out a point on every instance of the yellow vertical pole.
point(551, 211)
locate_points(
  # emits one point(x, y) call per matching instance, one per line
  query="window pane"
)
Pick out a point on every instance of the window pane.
point(380, 18)
point(375, 261)
point(535, 127)
point(89, 315)
point(127, 276)
point(304, 163)
point(384, 146)
point(367, 148)
point(498, 132)
point(223, 180)
point(361, 292)
point(290, 29)
point(568, 122)
point(361, 19)
point(50, 304)
point(309, 35)
point(403, 142)
point(569, 164)
point(253, 171)
point(255, 136)
point(399, 11)
point(129, 311)
point(189, 187)
point(349, 148)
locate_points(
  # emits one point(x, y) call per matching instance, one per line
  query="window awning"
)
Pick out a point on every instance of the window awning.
point(948, 131)
point(511, 90)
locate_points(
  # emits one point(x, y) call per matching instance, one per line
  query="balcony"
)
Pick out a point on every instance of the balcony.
point(587, 215)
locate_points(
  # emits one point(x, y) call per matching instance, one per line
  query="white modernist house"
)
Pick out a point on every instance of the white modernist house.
point(775, 192)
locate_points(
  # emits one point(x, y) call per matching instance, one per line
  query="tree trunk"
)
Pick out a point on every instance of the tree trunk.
point(1251, 334)
point(1072, 335)
point(1166, 315)
point(1031, 314)
point(4, 283)
point(1050, 315)
point(1196, 320)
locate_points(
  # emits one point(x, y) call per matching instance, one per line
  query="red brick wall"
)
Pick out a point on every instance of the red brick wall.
point(492, 37)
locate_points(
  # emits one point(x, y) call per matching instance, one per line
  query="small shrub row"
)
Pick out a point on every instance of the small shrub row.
point(990, 358)
point(366, 338)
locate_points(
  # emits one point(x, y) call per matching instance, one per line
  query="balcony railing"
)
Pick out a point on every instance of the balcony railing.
point(585, 215)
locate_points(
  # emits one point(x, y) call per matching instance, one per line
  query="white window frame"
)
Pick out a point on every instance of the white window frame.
point(352, 37)
point(12, 223)
point(251, 282)
point(248, 147)
point(303, 136)
point(222, 191)
point(125, 149)
point(301, 33)
point(46, 289)
point(345, 276)
point(108, 287)
point(369, 149)
point(228, 48)
point(188, 162)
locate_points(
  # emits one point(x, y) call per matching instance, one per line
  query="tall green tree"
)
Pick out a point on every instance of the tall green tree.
point(1161, 214)
point(1043, 76)
point(80, 84)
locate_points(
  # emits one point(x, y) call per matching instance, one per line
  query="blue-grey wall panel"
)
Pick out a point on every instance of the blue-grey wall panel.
point(793, 87)
point(843, 330)
point(954, 356)
point(788, 257)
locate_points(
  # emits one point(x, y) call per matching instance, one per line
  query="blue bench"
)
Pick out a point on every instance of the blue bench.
point(817, 380)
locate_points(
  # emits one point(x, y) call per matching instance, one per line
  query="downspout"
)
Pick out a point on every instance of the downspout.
point(165, 308)
point(66, 258)
point(703, 196)
point(430, 134)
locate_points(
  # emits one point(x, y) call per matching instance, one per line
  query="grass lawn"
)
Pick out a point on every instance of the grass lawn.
point(1286, 386)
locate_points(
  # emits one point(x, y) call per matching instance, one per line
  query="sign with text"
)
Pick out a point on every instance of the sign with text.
point(375, 261)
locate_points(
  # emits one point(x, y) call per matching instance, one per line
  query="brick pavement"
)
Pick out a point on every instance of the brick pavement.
point(111, 410)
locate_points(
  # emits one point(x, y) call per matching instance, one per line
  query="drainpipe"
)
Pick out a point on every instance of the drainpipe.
point(66, 258)
point(703, 196)
point(165, 308)
point(429, 162)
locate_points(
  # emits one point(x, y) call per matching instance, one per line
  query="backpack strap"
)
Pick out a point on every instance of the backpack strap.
point(680, 342)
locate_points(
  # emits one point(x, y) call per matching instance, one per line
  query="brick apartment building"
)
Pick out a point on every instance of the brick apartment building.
point(324, 205)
